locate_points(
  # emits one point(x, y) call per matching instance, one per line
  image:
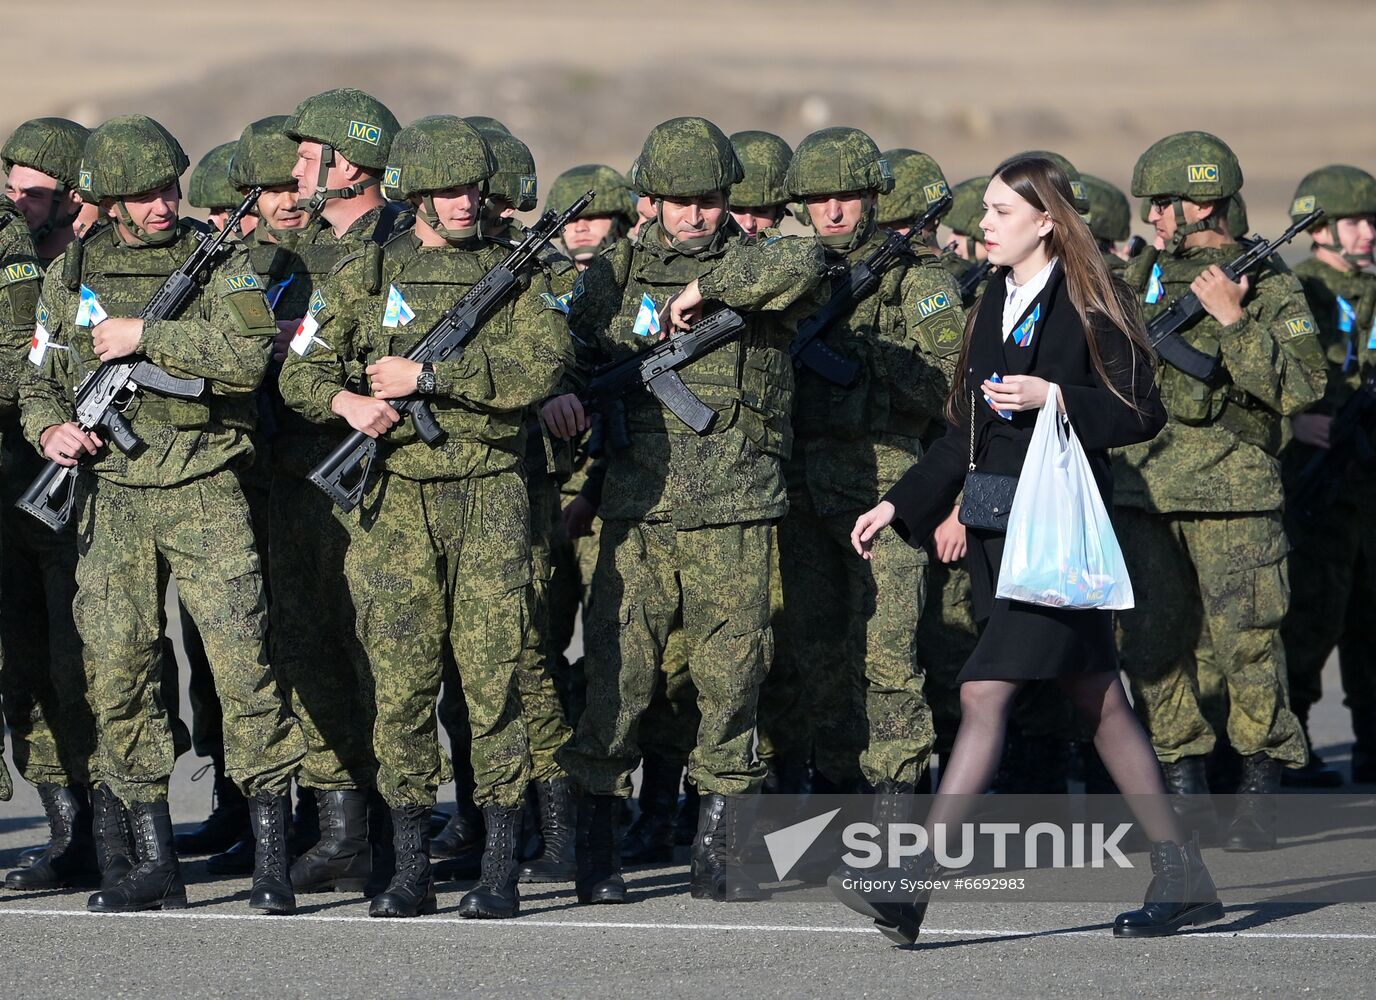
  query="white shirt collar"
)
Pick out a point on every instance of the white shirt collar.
point(1018, 297)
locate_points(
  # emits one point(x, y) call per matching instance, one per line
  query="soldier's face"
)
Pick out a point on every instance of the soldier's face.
point(585, 234)
point(458, 207)
point(33, 193)
point(1357, 234)
point(1013, 227)
point(307, 168)
point(1162, 216)
point(687, 218)
point(752, 220)
point(839, 213)
point(153, 211)
point(277, 206)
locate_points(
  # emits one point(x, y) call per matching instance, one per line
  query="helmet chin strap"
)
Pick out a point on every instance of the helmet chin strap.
point(1357, 261)
point(54, 223)
point(454, 237)
point(323, 193)
point(1184, 229)
point(143, 237)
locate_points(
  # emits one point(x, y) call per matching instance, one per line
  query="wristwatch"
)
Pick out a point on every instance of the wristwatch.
point(425, 381)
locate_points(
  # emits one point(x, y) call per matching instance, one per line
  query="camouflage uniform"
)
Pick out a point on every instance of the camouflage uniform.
point(1198, 508)
point(134, 525)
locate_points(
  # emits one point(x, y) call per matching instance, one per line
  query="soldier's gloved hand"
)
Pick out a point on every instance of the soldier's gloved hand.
point(392, 377)
point(1312, 429)
point(949, 538)
point(116, 337)
point(565, 417)
point(685, 308)
point(1220, 296)
point(65, 443)
point(869, 524)
point(578, 514)
point(363, 413)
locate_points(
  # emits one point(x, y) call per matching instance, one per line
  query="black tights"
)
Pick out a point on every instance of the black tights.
point(1100, 700)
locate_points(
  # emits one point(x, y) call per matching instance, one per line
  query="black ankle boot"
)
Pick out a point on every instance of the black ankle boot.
point(558, 863)
point(897, 918)
point(155, 883)
point(599, 860)
point(496, 897)
point(412, 890)
point(70, 857)
point(341, 860)
point(462, 835)
point(1181, 893)
point(227, 823)
point(723, 827)
point(114, 836)
point(1187, 780)
point(1254, 819)
point(269, 815)
point(650, 840)
point(686, 822)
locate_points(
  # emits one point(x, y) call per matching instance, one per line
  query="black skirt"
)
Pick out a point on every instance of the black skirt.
point(1021, 642)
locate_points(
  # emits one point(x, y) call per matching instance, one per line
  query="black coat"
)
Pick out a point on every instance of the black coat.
point(1059, 353)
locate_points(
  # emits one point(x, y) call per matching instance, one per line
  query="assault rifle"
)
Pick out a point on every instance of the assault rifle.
point(343, 474)
point(1164, 329)
point(808, 349)
point(104, 395)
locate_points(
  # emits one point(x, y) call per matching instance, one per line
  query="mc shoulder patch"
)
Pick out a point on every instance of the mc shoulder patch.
point(1299, 326)
point(933, 304)
point(242, 282)
point(23, 271)
point(365, 132)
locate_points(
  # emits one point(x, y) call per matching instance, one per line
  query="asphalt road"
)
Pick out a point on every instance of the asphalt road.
point(663, 943)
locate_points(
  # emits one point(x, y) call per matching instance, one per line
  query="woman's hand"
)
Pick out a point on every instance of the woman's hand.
point(869, 524)
point(949, 538)
point(1019, 392)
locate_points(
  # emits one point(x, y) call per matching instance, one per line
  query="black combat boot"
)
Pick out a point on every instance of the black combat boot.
point(342, 859)
point(1254, 818)
point(463, 835)
point(155, 882)
point(496, 896)
point(1316, 773)
point(559, 862)
point(686, 822)
point(723, 829)
point(893, 916)
point(1187, 780)
point(271, 891)
point(114, 836)
point(1363, 748)
point(412, 890)
point(227, 823)
point(650, 840)
point(1181, 893)
point(29, 855)
point(70, 857)
point(599, 861)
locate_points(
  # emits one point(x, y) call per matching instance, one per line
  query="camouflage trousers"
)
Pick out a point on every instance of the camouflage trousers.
point(572, 562)
point(199, 532)
point(316, 652)
point(785, 726)
point(716, 579)
point(44, 683)
point(853, 625)
point(1222, 576)
point(1332, 597)
point(669, 727)
point(542, 711)
point(437, 560)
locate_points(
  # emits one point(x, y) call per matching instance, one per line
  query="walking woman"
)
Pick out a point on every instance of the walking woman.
point(1051, 315)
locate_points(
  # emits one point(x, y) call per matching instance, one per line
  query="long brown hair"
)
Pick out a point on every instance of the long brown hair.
point(1092, 289)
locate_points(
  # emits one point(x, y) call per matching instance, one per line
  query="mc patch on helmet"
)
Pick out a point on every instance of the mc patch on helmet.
point(391, 177)
point(527, 186)
point(1203, 173)
point(371, 134)
point(21, 272)
point(934, 191)
point(1299, 326)
point(1078, 191)
point(933, 304)
point(1302, 206)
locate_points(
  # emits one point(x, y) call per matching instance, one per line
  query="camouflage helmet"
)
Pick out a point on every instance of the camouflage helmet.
point(610, 194)
point(485, 124)
point(265, 155)
point(52, 146)
point(1144, 209)
point(764, 156)
point(967, 207)
point(437, 153)
point(209, 186)
point(1341, 191)
point(684, 158)
point(357, 125)
point(837, 159)
point(1079, 193)
point(1109, 216)
point(514, 180)
point(917, 183)
point(1196, 166)
point(1237, 215)
point(132, 154)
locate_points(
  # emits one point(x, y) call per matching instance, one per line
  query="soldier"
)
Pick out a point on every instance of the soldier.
point(760, 201)
point(852, 622)
point(442, 547)
point(917, 183)
point(134, 515)
point(602, 223)
point(686, 519)
point(42, 162)
point(1198, 509)
point(210, 189)
point(1333, 562)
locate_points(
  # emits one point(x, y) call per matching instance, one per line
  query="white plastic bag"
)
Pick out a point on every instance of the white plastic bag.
point(1060, 550)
